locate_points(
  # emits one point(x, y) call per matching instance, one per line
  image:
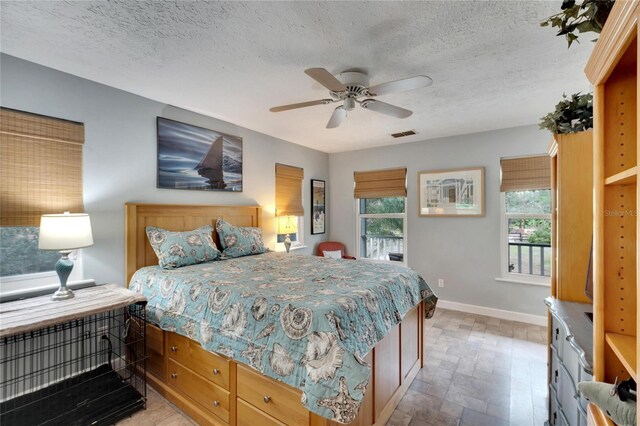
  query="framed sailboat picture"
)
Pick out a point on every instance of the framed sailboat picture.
point(192, 157)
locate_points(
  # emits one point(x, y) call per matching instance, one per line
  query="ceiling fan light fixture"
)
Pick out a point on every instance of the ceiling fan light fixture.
point(349, 104)
point(339, 114)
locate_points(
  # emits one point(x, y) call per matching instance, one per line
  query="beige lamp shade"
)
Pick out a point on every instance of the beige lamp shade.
point(67, 231)
point(287, 225)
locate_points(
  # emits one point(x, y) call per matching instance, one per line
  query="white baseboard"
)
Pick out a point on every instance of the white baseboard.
point(493, 312)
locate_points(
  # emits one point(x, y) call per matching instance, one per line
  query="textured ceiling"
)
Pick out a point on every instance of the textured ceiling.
point(492, 65)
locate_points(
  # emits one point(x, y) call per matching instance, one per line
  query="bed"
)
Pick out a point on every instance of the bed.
point(275, 338)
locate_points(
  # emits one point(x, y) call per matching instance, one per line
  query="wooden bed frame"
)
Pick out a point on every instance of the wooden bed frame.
point(216, 390)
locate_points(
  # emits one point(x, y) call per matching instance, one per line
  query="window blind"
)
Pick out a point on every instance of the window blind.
point(289, 190)
point(381, 183)
point(525, 173)
point(40, 167)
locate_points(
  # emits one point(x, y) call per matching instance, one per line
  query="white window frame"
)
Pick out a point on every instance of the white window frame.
point(295, 245)
point(41, 281)
point(515, 277)
point(402, 216)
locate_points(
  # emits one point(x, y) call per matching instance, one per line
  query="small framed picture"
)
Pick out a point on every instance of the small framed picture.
point(456, 192)
point(318, 206)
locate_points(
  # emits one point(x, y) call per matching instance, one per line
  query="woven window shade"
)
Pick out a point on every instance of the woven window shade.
point(289, 190)
point(525, 173)
point(40, 167)
point(381, 183)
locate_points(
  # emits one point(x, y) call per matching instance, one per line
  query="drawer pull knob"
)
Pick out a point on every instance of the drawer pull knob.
point(216, 403)
point(216, 371)
point(266, 399)
point(174, 375)
point(174, 348)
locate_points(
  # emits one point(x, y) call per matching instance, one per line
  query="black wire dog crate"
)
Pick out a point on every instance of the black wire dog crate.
point(87, 371)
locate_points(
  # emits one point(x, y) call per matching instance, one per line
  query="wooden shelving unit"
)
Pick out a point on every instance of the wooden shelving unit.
point(625, 349)
point(613, 70)
point(628, 176)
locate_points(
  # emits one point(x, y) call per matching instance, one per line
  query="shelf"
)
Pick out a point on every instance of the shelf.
point(596, 417)
point(625, 349)
point(624, 177)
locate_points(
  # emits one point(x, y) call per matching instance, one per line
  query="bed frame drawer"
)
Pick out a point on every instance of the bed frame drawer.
point(248, 415)
point(209, 365)
point(155, 339)
point(155, 363)
point(275, 399)
point(210, 396)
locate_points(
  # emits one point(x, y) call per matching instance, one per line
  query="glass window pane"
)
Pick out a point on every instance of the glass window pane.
point(381, 239)
point(529, 243)
point(19, 253)
point(382, 205)
point(538, 201)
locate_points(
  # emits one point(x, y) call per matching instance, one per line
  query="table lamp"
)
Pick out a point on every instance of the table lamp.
point(64, 233)
point(287, 225)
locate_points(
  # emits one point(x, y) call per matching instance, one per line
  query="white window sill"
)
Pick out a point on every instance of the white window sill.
point(382, 261)
point(280, 248)
point(523, 281)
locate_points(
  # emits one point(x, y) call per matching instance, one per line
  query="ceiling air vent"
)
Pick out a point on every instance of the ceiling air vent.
point(403, 134)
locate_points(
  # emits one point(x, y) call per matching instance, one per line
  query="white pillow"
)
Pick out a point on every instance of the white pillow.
point(335, 254)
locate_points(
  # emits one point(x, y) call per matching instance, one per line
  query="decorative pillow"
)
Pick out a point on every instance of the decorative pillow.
point(621, 412)
point(239, 241)
point(176, 249)
point(333, 254)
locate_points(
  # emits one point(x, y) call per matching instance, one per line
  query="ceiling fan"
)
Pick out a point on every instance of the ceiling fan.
point(353, 87)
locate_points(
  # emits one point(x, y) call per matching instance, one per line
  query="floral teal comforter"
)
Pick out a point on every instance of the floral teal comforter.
point(306, 321)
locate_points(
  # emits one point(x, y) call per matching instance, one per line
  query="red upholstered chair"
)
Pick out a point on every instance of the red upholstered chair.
point(332, 246)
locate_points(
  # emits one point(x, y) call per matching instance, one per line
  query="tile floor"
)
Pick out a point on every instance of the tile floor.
point(479, 371)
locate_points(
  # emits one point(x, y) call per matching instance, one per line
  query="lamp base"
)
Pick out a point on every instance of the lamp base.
point(64, 265)
point(62, 294)
point(287, 243)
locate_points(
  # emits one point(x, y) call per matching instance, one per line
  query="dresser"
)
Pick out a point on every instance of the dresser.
point(570, 361)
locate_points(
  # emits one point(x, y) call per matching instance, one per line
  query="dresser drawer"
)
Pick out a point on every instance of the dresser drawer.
point(584, 377)
point(275, 399)
point(571, 361)
point(567, 396)
point(553, 407)
point(248, 415)
point(558, 336)
point(582, 417)
point(209, 365)
point(555, 369)
point(155, 339)
point(210, 396)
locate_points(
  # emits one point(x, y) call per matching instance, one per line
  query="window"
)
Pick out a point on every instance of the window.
point(381, 218)
point(526, 219)
point(41, 163)
point(381, 227)
point(292, 226)
point(289, 208)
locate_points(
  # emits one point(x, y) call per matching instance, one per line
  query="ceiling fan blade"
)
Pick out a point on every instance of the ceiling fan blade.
point(400, 85)
point(325, 78)
point(338, 116)
point(385, 108)
point(300, 105)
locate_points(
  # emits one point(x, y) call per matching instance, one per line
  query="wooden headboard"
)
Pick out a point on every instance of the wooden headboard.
point(138, 251)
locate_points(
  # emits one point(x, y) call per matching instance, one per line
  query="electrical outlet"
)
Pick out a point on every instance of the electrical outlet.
point(440, 282)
